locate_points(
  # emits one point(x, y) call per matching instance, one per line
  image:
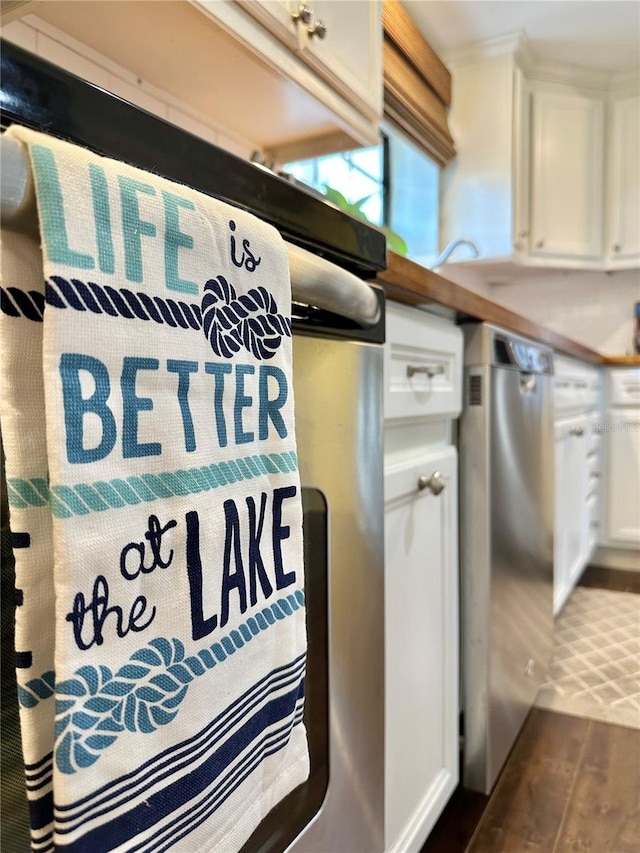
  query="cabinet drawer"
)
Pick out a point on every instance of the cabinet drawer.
point(423, 365)
point(624, 387)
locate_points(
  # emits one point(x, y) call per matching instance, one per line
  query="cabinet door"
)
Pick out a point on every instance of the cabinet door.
point(567, 176)
point(521, 160)
point(277, 16)
point(623, 478)
point(623, 243)
point(571, 529)
point(343, 42)
point(421, 647)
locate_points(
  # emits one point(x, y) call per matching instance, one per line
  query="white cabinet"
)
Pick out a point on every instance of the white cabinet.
point(623, 482)
point(567, 135)
point(247, 69)
point(578, 472)
point(423, 378)
point(278, 16)
point(349, 55)
point(341, 41)
point(570, 541)
point(623, 202)
point(421, 624)
point(529, 184)
point(477, 188)
point(622, 493)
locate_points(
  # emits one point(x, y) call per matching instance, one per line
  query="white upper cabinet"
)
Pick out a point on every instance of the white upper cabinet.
point(623, 202)
point(341, 41)
point(250, 68)
point(344, 43)
point(477, 188)
point(566, 189)
point(547, 173)
point(277, 15)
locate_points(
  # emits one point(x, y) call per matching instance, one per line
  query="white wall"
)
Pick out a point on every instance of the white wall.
point(39, 37)
point(595, 309)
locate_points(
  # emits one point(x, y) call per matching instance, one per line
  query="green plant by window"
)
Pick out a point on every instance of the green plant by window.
point(394, 240)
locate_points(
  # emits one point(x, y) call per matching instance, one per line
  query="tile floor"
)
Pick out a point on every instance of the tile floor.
point(595, 669)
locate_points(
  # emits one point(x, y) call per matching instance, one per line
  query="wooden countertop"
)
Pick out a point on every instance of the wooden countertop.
point(408, 282)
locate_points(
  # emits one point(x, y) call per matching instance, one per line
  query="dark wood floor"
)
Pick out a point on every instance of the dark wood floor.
point(616, 579)
point(570, 785)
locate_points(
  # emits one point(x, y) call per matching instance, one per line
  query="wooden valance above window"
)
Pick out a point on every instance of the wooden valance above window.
point(417, 85)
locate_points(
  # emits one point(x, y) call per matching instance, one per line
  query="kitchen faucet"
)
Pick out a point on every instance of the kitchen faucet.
point(451, 247)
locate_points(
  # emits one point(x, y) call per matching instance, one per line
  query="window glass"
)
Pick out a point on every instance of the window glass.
point(394, 185)
point(413, 203)
point(357, 175)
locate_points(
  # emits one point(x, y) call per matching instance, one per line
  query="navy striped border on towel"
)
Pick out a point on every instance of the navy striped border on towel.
point(178, 789)
point(39, 781)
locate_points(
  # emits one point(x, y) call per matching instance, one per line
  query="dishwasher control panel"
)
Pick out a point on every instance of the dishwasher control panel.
point(524, 356)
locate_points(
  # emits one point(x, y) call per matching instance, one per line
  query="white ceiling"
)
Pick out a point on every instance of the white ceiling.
point(598, 34)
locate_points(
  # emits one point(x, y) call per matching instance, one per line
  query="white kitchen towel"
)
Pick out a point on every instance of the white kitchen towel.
point(179, 621)
point(25, 448)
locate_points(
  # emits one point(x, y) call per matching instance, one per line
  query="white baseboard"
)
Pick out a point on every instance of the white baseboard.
point(617, 558)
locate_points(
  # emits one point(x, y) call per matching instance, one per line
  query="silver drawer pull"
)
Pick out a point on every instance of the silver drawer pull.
point(429, 369)
point(435, 483)
point(577, 431)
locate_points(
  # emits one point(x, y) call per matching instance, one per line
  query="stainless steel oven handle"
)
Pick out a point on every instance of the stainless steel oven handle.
point(316, 281)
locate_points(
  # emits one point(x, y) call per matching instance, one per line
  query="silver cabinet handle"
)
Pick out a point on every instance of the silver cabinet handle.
point(578, 431)
point(317, 29)
point(435, 483)
point(429, 369)
point(304, 14)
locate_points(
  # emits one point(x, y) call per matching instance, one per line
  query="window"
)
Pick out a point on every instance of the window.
point(355, 174)
point(393, 184)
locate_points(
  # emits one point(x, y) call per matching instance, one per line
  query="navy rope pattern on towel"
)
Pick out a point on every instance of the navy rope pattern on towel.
point(229, 321)
point(20, 303)
point(250, 320)
point(96, 705)
point(122, 302)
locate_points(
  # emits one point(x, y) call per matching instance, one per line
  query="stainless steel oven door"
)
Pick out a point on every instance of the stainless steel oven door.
point(338, 394)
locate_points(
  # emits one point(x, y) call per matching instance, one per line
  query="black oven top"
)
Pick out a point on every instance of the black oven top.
point(42, 96)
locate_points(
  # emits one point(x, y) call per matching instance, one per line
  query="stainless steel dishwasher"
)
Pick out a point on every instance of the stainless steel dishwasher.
point(506, 494)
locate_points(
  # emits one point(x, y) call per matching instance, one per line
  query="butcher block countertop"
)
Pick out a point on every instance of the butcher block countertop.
point(408, 282)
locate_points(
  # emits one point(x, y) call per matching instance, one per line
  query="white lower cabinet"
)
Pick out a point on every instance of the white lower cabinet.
point(622, 493)
point(421, 624)
point(571, 530)
point(423, 380)
point(578, 472)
